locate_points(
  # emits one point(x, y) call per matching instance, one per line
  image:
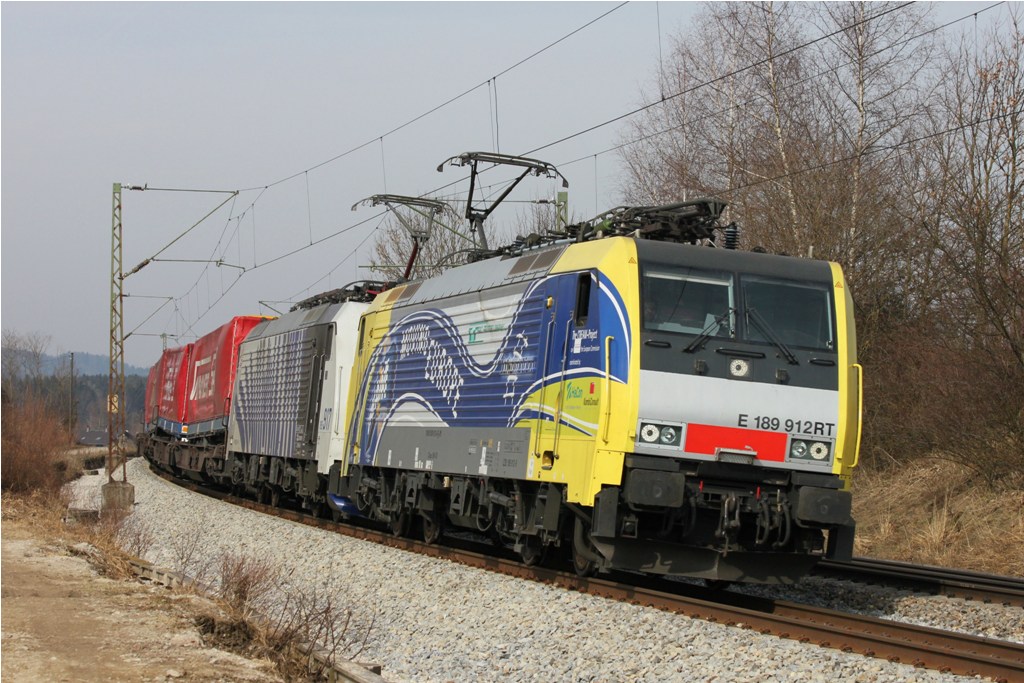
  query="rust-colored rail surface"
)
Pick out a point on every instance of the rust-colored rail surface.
point(894, 641)
point(958, 583)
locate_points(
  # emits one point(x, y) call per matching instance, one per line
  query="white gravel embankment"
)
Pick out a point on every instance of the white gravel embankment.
point(431, 620)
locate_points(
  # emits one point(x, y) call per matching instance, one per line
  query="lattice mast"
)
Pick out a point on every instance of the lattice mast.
point(115, 393)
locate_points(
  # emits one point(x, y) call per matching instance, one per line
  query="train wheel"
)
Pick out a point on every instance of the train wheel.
point(532, 550)
point(275, 496)
point(237, 479)
point(399, 523)
point(431, 528)
point(583, 565)
point(263, 495)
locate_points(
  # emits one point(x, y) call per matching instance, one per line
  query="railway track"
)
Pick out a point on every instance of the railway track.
point(870, 636)
point(959, 583)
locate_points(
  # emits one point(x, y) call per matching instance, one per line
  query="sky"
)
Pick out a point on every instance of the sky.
point(301, 108)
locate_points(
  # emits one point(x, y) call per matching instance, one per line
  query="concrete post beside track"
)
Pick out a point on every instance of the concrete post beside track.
point(118, 497)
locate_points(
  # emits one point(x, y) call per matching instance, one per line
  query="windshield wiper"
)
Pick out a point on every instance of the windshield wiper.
point(706, 333)
point(770, 333)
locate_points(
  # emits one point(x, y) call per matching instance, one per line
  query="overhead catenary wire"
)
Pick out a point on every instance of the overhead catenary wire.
point(746, 103)
point(352, 253)
point(574, 135)
point(381, 137)
point(717, 79)
point(739, 105)
point(497, 125)
point(192, 324)
point(759, 97)
point(875, 150)
point(490, 105)
point(438, 107)
point(682, 92)
point(251, 208)
point(145, 262)
point(149, 317)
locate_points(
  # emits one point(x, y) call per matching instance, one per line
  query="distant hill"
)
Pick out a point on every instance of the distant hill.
point(94, 364)
point(85, 363)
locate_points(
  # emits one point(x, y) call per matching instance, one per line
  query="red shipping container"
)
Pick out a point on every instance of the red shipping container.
point(212, 375)
point(173, 389)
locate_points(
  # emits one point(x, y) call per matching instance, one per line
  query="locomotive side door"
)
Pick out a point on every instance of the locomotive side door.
point(571, 358)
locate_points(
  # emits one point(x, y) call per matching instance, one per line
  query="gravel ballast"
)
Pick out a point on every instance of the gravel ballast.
point(424, 619)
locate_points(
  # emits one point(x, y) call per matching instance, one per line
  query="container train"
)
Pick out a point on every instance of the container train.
point(624, 395)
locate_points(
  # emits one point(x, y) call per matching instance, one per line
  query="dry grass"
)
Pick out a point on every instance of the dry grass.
point(110, 542)
point(935, 511)
point(42, 509)
point(188, 561)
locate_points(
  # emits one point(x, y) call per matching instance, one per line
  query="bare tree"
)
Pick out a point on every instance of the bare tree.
point(877, 71)
point(778, 125)
point(742, 123)
point(977, 224)
point(873, 95)
point(450, 243)
point(23, 357)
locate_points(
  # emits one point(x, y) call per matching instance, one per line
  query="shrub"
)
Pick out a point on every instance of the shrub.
point(32, 442)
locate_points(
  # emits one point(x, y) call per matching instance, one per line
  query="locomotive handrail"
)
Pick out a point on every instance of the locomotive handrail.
point(607, 385)
point(561, 385)
point(860, 410)
point(544, 385)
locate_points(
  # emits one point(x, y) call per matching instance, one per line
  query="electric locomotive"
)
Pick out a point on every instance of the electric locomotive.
point(646, 403)
point(621, 393)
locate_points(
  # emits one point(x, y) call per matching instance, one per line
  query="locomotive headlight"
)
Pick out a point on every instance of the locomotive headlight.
point(660, 435)
point(649, 433)
point(819, 451)
point(739, 367)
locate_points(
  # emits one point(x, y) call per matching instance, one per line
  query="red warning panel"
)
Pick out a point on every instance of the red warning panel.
point(708, 439)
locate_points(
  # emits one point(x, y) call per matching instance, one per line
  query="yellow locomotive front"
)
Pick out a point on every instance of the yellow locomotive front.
point(743, 417)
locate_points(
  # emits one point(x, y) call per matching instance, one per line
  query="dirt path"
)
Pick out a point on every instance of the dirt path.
point(63, 622)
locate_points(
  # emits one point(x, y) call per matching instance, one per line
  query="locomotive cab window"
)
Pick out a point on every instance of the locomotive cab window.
point(797, 313)
point(582, 299)
point(688, 301)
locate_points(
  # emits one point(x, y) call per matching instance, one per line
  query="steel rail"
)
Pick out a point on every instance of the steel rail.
point(959, 583)
point(919, 646)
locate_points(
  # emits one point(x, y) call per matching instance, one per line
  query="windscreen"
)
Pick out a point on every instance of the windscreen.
point(798, 313)
point(688, 301)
